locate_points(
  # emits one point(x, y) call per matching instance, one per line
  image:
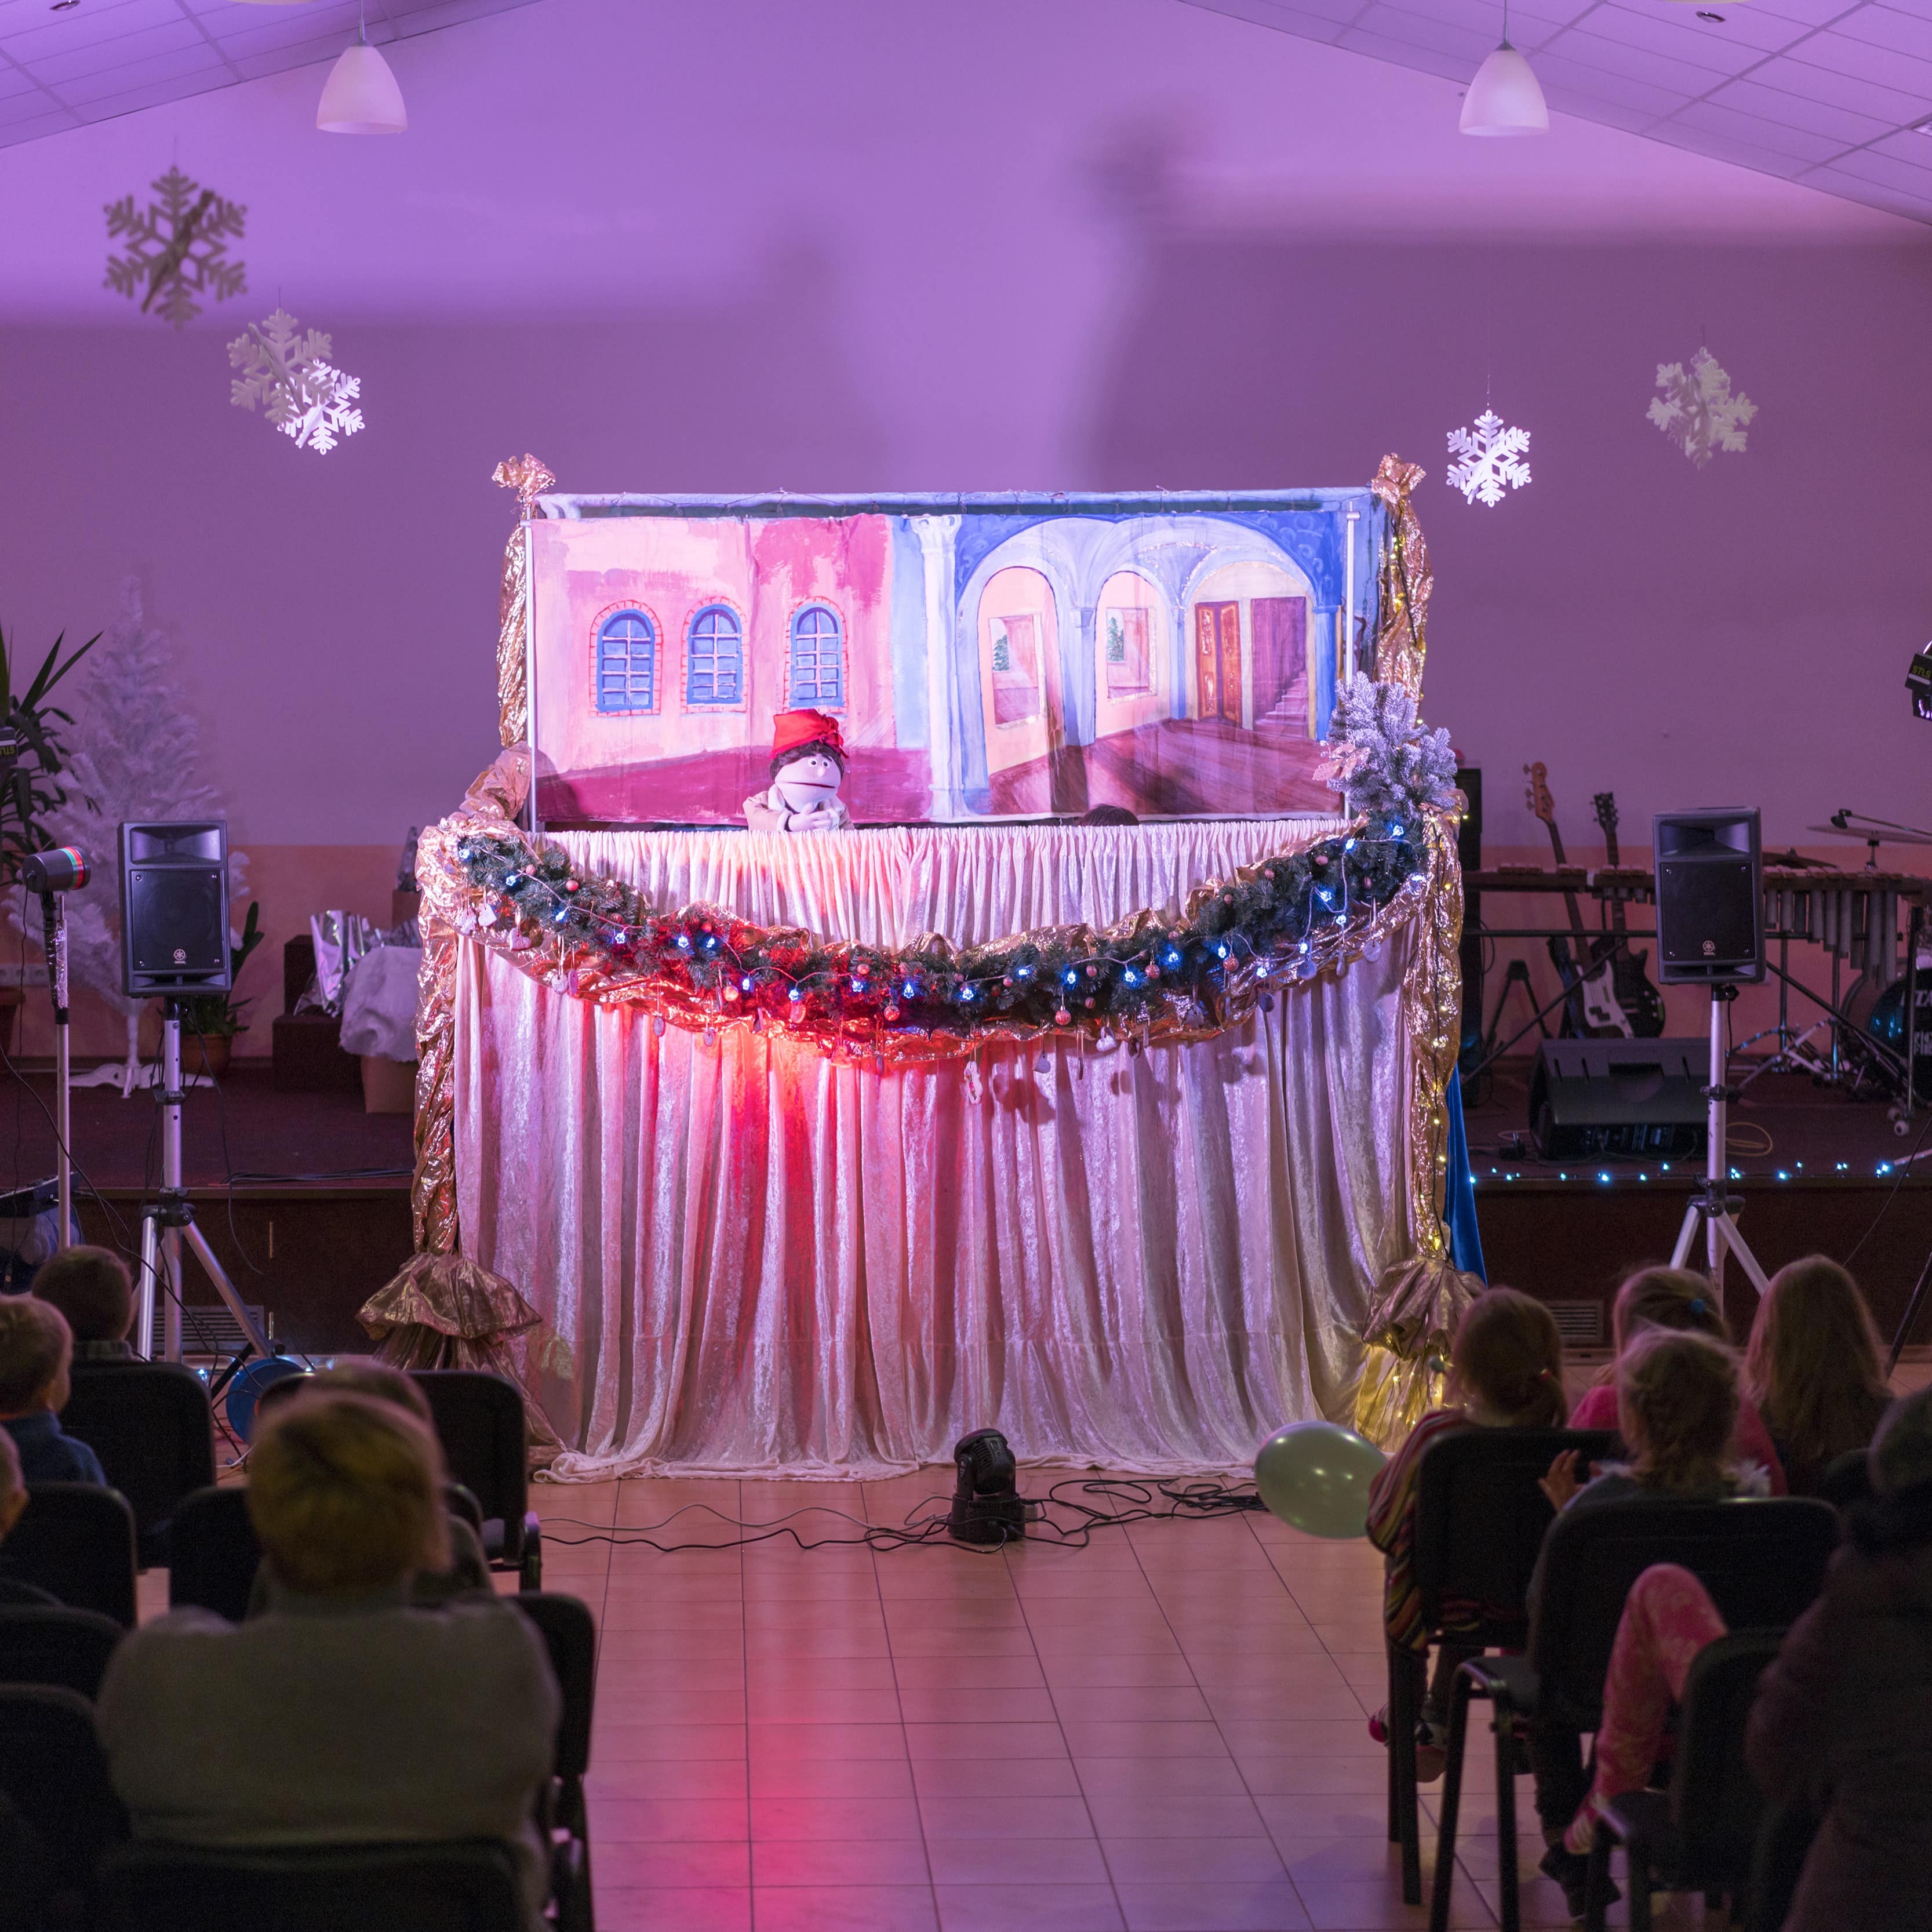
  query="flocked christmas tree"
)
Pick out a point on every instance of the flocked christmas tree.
point(132, 753)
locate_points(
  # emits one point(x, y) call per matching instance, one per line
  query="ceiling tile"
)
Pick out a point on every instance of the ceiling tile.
point(1688, 41)
point(1721, 147)
point(1405, 53)
point(1654, 69)
point(1750, 130)
point(1823, 84)
point(1866, 61)
point(1793, 110)
point(1807, 13)
point(1888, 169)
point(1886, 27)
point(184, 64)
point(1873, 194)
point(1471, 45)
point(57, 66)
point(1640, 97)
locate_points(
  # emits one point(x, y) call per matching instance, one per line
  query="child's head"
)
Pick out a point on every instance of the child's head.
point(1508, 1357)
point(346, 1494)
point(1812, 1364)
point(13, 1487)
point(92, 1289)
point(36, 1350)
point(1667, 1297)
point(1677, 1406)
point(1901, 1456)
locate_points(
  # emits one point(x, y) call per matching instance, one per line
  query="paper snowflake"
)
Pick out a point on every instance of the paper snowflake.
point(1697, 411)
point(289, 373)
point(176, 248)
point(1488, 460)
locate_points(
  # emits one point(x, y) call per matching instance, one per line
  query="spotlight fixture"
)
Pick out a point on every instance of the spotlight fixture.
point(1505, 97)
point(987, 1506)
point(360, 96)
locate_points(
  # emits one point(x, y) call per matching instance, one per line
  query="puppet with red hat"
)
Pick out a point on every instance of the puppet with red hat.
point(807, 764)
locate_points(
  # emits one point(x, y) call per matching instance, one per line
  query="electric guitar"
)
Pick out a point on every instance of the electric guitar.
point(1641, 1002)
point(1593, 1012)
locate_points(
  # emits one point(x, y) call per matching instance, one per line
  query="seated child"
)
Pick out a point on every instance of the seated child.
point(13, 1594)
point(468, 1568)
point(35, 1350)
point(1677, 1409)
point(92, 1289)
point(1506, 1372)
point(1812, 1368)
point(1674, 1298)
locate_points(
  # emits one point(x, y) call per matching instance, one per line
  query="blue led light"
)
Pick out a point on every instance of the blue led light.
point(1132, 978)
point(711, 942)
point(797, 993)
point(1022, 972)
point(1072, 978)
point(744, 984)
point(967, 993)
point(1171, 957)
point(910, 991)
point(1603, 1177)
point(1221, 950)
point(558, 917)
point(684, 942)
point(1782, 1175)
point(511, 881)
point(1395, 831)
point(858, 985)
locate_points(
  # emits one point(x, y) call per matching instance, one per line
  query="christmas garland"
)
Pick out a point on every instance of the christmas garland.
point(1285, 919)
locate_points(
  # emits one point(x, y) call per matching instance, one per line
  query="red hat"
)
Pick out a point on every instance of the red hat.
point(791, 729)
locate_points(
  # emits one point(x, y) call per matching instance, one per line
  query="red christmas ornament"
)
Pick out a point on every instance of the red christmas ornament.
point(1062, 1018)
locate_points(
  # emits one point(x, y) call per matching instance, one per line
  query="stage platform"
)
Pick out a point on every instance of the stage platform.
point(304, 1197)
point(1830, 1182)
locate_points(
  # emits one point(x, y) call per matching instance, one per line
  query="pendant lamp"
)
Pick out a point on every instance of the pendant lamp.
point(360, 96)
point(1505, 97)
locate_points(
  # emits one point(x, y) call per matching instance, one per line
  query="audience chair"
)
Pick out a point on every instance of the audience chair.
point(479, 1420)
point(460, 1501)
point(67, 1648)
point(1847, 1480)
point(1762, 1562)
point(76, 1540)
point(150, 1425)
point(1700, 1835)
point(570, 1635)
point(1480, 1521)
point(54, 1774)
point(1784, 1836)
point(468, 1886)
point(212, 1553)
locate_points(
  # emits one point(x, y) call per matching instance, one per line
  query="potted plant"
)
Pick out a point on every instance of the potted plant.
point(31, 751)
point(211, 1020)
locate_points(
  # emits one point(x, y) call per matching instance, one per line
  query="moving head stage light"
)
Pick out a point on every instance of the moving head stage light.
point(987, 1506)
point(1919, 682)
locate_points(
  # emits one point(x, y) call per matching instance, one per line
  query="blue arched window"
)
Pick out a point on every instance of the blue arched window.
point(714, 671)
point(818, 658)
point(627, 662)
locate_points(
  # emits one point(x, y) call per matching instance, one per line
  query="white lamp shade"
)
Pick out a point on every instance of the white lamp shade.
point(360, 96)
point(1505, 97)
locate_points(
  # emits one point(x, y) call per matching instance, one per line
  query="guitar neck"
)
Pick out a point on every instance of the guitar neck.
point(1576, 912)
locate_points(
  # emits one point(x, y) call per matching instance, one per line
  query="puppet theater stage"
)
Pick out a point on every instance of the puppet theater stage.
point(815, 1152)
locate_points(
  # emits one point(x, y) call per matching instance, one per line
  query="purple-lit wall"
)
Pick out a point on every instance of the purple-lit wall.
point(830, 244)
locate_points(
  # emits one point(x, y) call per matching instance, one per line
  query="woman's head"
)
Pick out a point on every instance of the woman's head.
point(1812, 1364)
point(1508, 1357)
point(1677, 1406)
point(346, 1494)
point(1667, 1297)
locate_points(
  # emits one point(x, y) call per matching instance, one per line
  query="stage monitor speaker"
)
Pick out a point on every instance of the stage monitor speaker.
point(1710, 897)
point(1469, 833)
point(174, 908)
point(1635, 1098)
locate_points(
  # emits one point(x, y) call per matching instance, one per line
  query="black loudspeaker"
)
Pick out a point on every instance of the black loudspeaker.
point(1710, 897)
point(174, 908)
point(1640, 1098)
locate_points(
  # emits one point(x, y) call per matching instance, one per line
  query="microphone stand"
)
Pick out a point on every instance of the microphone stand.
point(53, 917)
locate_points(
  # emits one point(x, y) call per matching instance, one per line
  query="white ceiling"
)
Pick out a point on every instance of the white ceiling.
point(1826, 92)
point(63, 66)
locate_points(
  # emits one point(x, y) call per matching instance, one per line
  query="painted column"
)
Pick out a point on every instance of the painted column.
point(937, 536)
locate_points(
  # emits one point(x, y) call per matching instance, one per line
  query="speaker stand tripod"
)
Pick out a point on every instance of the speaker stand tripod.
point(170, 1219)
point(1713, 1207)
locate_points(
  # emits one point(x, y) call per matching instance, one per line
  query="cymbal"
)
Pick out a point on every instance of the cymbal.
point(1874, 837)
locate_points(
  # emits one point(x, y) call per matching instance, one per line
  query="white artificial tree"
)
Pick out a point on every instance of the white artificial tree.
point(132, 753)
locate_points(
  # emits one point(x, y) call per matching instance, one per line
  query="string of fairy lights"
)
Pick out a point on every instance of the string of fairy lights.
point(1267, 924)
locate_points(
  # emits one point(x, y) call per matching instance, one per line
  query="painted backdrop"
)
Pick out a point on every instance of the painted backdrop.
point(985, 656)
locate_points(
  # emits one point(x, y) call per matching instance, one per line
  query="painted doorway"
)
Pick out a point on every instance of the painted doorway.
point(1217, 651)
point(1281, 664)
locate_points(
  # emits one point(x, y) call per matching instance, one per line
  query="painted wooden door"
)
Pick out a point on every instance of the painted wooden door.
point(1281, 657)
point(1217, 654)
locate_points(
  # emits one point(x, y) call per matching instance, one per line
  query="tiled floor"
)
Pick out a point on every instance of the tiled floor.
point(1163, 1732)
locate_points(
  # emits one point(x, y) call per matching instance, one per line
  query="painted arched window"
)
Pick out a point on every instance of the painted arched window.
point(714, 671)
point(818, 658)
point(627, 662)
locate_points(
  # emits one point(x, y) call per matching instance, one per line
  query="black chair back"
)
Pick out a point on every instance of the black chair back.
point(470, 1886)
point(76, 1540)
point(212, 1553)
point(570, 1633)
point(479, 1420)
point(150, 1425)
point(53, 1774)
point(1763, 1563)
point(67, 1648)
point(1714, 1803)
point(1480, 1519)
point(1847, 1480)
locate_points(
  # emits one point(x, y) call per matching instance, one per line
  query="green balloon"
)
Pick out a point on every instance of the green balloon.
point(1316, 1476)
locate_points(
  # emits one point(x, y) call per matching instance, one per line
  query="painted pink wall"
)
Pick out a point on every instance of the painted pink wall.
point(830, 244)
